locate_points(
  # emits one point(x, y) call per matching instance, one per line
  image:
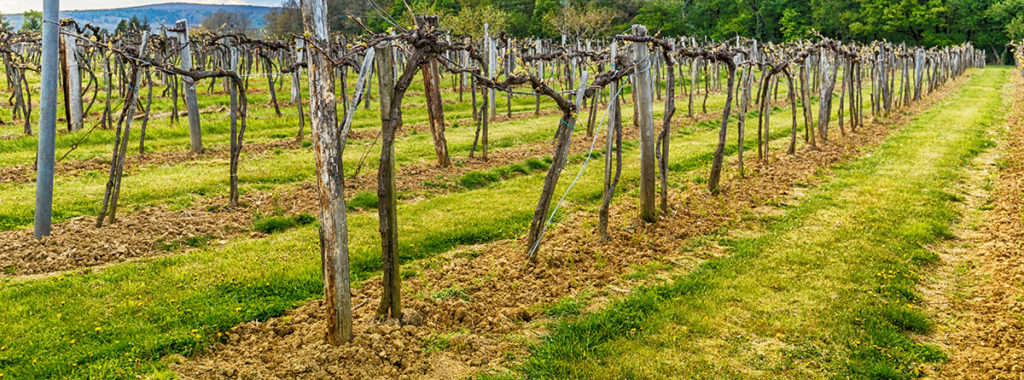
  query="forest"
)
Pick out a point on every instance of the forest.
point(988, 24)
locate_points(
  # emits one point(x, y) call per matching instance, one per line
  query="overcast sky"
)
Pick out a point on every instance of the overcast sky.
point(18, 6)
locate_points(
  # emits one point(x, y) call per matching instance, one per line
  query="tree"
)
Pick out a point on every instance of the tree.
point(470, 21)
point(32, 21)
point(131, 26)
point(4, 24)
point(284, 20)
point(222, 19)
point(581, 21)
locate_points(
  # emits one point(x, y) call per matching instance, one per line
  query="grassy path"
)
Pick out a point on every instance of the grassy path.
point(828, 290)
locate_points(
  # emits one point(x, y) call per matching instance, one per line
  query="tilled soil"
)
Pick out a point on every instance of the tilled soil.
point(26, 173)
point(489, 324)
point(981, 302)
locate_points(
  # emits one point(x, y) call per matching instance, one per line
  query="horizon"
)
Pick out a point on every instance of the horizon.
point(15, 7)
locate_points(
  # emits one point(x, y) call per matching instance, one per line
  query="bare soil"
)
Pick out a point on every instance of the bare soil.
point(978, 295)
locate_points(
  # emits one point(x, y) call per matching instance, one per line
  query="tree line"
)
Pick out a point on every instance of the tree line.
point(988, 24)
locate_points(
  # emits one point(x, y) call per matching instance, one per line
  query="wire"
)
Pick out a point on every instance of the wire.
point(597, 133)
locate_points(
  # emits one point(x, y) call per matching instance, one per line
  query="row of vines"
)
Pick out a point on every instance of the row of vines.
point(584, 80)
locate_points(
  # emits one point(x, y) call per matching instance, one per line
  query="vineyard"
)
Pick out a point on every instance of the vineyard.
point(416, 203)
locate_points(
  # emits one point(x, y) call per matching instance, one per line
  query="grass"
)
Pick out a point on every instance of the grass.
point(279, 223)
point(828, 291)
point(453, 292)
point(569, 306)
point(364, 200)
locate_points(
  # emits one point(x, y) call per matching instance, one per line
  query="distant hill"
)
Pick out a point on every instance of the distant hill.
point(157, 14)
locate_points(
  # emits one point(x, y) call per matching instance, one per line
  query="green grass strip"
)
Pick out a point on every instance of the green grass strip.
point(828, 291)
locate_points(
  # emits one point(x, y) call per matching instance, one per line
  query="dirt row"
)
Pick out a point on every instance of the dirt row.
point(980, 299)
point(493, 320)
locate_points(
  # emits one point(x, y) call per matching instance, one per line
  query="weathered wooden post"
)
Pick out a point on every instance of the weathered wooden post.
point(296, 90)
point(74, 79)
point(491, 63)
point(391, 300)
point(918, 72)
point(234, 87)
point(614, 136)
point(538, 50)
point(329, 145)
point(195, 132)
point(645, 120)
point(432, 90)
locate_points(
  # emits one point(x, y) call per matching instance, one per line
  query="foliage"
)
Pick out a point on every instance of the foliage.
point(224, 20)
point(988, 24)
point(284, 20)
point(133, 25)
point(584, 21)
point(32, 21)
point(4, 24)
point(472, 19)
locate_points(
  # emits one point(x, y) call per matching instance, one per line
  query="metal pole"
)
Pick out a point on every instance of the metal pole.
point(47, 120)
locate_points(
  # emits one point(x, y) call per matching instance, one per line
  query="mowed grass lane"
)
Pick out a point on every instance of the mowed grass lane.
point(827, 291)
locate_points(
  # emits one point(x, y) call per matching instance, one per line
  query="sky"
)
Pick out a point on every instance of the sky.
point(18, 6)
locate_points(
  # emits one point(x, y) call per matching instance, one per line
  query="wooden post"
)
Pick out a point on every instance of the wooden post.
point(329, 145)
point(746, 83)
point(805, 100)
point(539, 49)
point(645, 120)
point(828, 83)
point(296, 90)
point(614, 135)
point(236, 136)
point(510, 60)
point(391, 299)
point(435, 111)
point(74, 80)
point(491, 63)
point(918, 72)
point(195, 132)
point(666, 126)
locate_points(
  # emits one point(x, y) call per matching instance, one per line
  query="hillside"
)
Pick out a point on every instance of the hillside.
point(157, 14)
